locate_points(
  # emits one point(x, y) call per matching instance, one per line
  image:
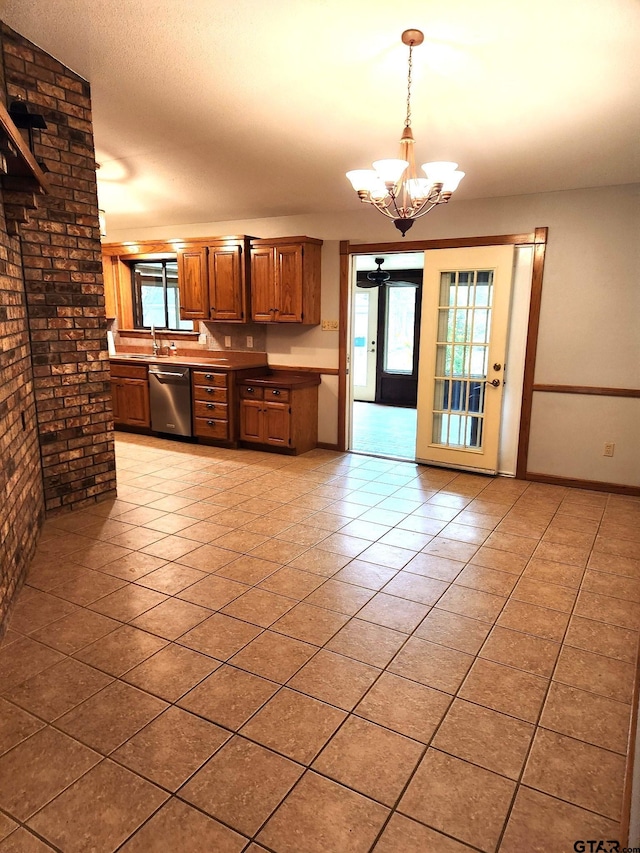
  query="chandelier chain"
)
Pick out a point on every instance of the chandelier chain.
point(407, 121)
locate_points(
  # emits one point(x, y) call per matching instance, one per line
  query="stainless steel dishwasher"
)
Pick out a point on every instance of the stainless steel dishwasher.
point(170, 399)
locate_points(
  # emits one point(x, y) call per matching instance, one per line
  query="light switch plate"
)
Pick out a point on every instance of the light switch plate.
point(330, 325)
point(227, 340)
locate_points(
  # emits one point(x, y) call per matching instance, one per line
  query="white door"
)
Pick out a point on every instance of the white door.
point(365, 332)
point(465, 315)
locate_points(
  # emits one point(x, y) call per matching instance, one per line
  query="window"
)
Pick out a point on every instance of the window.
point(156, 297)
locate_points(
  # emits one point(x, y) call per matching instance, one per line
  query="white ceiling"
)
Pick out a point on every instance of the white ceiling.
point(208, 110)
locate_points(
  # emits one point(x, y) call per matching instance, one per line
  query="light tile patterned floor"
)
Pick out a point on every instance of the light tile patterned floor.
point(328, 654)
point(384, 430)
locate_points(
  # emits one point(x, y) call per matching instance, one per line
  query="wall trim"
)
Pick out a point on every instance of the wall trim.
point(590, 485)
point(322, 371)
point(587, 389)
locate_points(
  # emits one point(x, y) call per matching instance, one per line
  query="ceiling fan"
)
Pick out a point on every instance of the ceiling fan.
point(376, 278)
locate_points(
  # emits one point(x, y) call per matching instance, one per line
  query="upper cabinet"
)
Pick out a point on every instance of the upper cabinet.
point(224, 279)
point(213, 281)
point(285, 280)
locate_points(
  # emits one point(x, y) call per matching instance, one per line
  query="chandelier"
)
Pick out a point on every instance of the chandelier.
point(394, 186)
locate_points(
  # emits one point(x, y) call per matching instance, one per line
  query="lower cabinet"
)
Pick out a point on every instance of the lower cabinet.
point(130, 395)
point(211, 409)
point(282, 415)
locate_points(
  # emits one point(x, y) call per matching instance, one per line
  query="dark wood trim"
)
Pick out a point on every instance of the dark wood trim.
point(138, 249)
point(627, 789)
point(326, 445)
point(539, 241)
point(322, 371)
point(450, 243)
point(345, 258)
point(587, 389)
point(591, 485)
point(540, 245)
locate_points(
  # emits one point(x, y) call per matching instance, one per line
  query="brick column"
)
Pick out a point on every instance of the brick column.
point(62, 270)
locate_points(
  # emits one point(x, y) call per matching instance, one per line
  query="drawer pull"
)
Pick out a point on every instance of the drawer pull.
point(208, 376)
point(211, 423)
point(210, 406)
point(209, 390)
point(251, 391)
point(275, 392)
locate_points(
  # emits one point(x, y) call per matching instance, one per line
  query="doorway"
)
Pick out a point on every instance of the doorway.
point(384, 354)
point(518, 364)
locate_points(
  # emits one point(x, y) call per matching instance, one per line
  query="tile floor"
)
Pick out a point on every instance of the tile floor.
point(328, 654)
point(384, 430)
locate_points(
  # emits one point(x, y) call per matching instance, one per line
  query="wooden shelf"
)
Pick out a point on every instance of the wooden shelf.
point(20, 162)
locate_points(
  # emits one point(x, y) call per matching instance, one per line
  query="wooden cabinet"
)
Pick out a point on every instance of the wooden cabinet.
point(285, 280)
point(213, 281)
point(130, 394)
point(192, 282)
point(211, 411)
point(280, 411)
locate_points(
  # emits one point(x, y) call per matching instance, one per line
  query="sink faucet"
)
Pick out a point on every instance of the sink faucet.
point(155, 344)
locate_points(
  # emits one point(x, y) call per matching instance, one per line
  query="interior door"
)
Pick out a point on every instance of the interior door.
point(465, 315)
point(365, 332)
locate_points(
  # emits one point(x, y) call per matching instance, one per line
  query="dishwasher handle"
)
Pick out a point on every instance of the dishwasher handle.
point(183, 374)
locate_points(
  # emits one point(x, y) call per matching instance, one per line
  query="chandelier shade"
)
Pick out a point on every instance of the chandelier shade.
point(394, 186)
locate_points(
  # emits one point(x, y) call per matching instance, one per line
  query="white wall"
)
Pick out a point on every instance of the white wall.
point(590, 321)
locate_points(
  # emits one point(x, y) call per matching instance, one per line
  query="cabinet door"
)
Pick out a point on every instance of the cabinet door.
point(115, 401)
point(226, 284)
point(251, 420)
point(276, 423)
point(134, 402)
point(288, 263)
point(262, 284)
point(193, 284)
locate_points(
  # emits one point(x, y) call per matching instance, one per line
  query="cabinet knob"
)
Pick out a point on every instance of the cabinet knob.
point(210, 406)
point(210, 423)
point(209, 390)
point(208, 376)
point(275, 392)
point(213, 308)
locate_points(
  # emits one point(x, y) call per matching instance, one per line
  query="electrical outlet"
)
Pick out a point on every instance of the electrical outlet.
point(249, 341)
point(330, 325)
point(609, 447)
point(227, 340)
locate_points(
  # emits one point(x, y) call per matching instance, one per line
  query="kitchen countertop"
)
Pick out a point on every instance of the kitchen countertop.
point(282, 379)
point(230, 360)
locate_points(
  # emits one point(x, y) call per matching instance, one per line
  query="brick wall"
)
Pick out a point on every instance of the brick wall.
point(62, 269)
point(56, 430)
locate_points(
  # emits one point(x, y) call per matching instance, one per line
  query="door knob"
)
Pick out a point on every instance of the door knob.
point(497, 366)
point(495, 383)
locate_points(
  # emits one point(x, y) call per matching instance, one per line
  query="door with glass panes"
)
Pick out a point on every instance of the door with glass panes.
point(465, 314)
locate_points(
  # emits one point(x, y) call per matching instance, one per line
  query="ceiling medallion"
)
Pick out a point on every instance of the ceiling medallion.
point(394, 186)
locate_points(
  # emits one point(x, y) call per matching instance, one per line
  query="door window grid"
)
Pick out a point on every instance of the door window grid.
point(464, 319)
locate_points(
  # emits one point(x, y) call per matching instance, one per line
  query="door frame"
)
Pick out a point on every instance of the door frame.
point(537, 239)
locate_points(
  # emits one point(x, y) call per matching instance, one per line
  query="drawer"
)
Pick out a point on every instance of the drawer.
point(130, 371)
point(208, 392)
point(251, 392)
point(211, 428)
point(210, 409)
point(208, 377)
point(279, 394)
